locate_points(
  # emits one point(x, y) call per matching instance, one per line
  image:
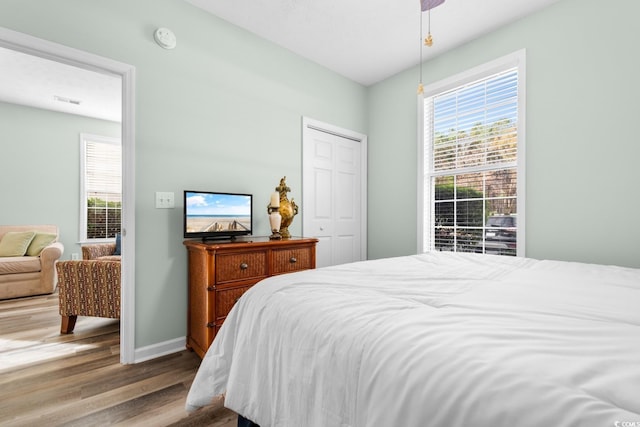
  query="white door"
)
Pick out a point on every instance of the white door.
point(334, 192)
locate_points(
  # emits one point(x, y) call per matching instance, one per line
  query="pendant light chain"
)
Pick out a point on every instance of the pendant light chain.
point(426, 5)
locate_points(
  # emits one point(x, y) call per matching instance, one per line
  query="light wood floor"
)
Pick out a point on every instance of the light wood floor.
point(49, 379)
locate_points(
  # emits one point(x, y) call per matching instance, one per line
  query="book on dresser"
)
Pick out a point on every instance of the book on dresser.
point(220, 272)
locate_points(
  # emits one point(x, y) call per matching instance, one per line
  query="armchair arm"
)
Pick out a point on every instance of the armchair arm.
point(48, 257)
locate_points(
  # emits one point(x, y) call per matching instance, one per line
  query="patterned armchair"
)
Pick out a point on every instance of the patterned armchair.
point(88, 288)
point(103, 251)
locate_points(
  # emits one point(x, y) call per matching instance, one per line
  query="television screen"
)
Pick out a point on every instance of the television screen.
point(211, 215)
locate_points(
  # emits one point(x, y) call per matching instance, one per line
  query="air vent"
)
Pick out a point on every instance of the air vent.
point(67, 100)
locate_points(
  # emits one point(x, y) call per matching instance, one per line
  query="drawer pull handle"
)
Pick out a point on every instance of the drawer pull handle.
point(210, 325)
point(244, 266)
point(293, 260)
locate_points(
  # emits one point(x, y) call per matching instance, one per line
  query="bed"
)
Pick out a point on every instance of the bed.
point(437, 339)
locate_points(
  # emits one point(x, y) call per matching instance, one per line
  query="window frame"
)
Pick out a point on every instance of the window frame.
point(425, 198)
point(84, 139)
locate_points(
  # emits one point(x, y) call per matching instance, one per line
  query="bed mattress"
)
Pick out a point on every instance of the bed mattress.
point(437, 339)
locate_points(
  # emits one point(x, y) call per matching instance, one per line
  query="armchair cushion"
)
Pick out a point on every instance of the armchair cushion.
point(116, 251)
point(15, 243)
point(110, 258)
point(19, 264)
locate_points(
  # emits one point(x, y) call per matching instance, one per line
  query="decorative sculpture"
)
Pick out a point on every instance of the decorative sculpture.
point(288, 209)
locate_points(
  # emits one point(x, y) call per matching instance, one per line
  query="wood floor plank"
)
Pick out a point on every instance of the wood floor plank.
point(56, 373)
point(76, 380)
point(45, 352)
point(174, 417)
point(76, 408)
point(125, 411)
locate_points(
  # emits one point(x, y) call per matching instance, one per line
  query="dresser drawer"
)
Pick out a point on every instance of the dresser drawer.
point(221, 272)
point(225, 299)
point(293, 259)
point(248, 265)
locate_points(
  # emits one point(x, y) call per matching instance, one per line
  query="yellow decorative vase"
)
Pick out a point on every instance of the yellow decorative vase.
point(288, 209)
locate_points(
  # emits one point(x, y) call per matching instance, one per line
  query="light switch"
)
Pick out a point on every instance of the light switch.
point(165, 200)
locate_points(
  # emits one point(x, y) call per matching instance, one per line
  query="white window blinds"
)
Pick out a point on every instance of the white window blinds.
point(471, 169)
point(101, 187)
point(475, 126)
point(104, 168)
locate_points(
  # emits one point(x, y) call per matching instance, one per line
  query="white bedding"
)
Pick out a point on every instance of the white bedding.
point(438, 339)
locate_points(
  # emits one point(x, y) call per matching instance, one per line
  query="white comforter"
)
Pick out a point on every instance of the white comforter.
point(439, 339)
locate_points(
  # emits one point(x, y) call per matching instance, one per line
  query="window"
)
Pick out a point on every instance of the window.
point(472, 185)
point(101, 187)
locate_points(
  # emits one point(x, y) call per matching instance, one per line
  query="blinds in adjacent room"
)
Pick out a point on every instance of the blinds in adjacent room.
point(102, 187)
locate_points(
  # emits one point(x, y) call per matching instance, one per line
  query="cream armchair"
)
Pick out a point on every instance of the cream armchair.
point(32, 273)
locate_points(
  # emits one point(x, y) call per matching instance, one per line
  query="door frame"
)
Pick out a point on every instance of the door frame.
point(312, 124)
point(28, 44)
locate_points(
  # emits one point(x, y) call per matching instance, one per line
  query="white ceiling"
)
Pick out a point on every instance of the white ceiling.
point(367, 40)
point(363, 40)
point(36, 82)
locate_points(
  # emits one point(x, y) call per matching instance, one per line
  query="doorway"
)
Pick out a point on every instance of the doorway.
point(334, 192)
point(30, 45)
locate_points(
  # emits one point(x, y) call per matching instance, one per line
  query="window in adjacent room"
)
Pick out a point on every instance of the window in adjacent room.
point(472, 155)
point(101, 187)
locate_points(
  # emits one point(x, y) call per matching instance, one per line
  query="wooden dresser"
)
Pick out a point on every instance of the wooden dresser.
point(220, 272)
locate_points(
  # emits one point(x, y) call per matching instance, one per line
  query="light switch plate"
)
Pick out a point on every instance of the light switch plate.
point(165, 200)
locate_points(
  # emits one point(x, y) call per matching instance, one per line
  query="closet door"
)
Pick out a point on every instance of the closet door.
point(334, 192)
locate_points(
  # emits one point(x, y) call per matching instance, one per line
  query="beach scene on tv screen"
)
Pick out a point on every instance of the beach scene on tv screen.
point(207, 212)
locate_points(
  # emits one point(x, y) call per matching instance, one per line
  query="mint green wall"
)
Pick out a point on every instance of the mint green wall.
point(581, 140)
point(222, 111)
point(40, 172)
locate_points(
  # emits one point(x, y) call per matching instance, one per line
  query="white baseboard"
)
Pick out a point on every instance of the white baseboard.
point(160, 349)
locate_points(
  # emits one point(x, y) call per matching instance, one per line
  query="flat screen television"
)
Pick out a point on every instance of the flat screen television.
point(217, 215)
